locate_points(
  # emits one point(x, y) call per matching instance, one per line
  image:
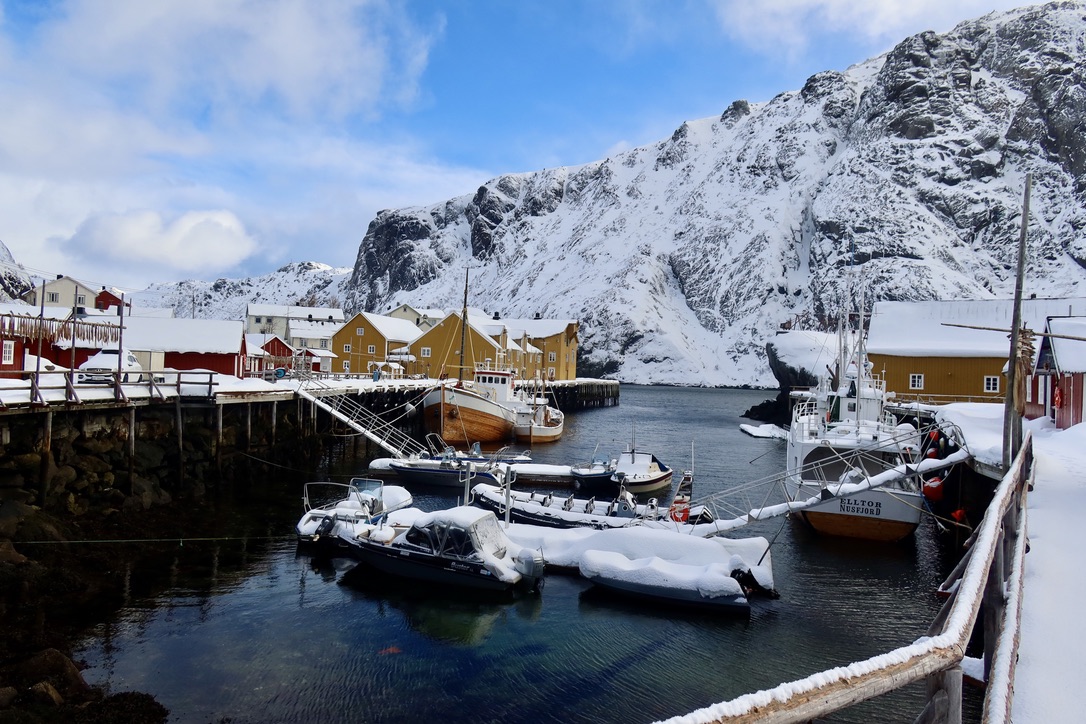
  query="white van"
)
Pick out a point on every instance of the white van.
point(101, 367)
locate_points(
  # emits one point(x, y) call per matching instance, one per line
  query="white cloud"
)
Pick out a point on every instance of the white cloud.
point(195, 242)
point(303, 59)
point(790, 27)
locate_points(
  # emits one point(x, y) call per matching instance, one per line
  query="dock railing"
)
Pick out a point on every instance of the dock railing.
point(989, 573)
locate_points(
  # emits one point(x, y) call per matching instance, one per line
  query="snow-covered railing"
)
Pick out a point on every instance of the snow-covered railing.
point(984, 576)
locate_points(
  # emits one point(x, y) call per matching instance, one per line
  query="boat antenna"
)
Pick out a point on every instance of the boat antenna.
point(464, 325)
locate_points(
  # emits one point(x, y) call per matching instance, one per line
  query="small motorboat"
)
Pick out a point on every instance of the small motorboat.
point(711, 585)
point(438, 447)
point(593, 473)
point(360, 502)
point(638, 472)
point(448, 470)
point(462, 546)
point(546, 509)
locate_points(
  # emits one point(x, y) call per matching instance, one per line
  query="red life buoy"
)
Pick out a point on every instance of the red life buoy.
point(680, 512)
point(1057, 398)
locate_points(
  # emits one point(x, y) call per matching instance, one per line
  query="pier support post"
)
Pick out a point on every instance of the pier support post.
point(274, 420)
point(218, 440)
point(46, 457)
point(131, 448)
point(248, 427)
point(180, 446)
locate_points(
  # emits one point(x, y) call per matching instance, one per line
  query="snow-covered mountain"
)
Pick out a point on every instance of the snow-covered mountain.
point(305, 283)
point(903, 176)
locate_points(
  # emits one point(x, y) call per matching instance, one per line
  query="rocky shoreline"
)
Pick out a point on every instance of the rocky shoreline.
point(54, 586)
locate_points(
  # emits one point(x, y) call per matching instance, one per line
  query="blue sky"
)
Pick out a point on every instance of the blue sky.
point(182, 139)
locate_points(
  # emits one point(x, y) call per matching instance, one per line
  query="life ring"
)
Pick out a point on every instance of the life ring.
point(1057, 398)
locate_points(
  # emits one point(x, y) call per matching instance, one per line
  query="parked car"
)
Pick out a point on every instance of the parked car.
point(102, 366)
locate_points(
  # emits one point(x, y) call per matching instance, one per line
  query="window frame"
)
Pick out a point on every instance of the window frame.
point(989, 389)
point(916, 380)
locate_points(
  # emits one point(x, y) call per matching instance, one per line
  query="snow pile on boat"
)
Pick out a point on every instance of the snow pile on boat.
point(566, 548)
point(710, 581)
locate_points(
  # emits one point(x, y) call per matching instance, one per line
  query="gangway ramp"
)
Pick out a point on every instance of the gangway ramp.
point(340, 405)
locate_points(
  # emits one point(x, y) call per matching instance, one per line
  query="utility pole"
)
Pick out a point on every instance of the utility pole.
point(1012, 421)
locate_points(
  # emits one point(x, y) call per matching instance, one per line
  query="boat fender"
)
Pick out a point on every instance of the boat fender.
point(933, 489)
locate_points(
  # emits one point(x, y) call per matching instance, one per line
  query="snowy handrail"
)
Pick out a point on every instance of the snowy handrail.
point(937, 657)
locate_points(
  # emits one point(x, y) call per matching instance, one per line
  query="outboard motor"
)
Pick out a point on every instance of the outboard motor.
point(530, 564)
point(325, 527)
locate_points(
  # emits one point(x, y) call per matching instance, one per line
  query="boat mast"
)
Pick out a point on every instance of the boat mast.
point(464, 327)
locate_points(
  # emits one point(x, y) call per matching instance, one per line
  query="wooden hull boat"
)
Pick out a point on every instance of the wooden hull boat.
point(461, 416)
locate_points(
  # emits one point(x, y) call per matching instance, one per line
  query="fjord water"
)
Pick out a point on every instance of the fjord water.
point(249, 629)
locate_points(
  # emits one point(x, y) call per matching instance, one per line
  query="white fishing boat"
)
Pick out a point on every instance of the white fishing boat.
point(537, 420)
point(841, 430)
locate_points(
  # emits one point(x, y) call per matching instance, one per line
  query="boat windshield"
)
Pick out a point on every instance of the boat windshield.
point(489, 536)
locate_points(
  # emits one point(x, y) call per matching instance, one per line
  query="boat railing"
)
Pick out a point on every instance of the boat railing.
point(989, 574)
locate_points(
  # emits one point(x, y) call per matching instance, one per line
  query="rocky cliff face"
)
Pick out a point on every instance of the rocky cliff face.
point(13, 280)
point(902, 177)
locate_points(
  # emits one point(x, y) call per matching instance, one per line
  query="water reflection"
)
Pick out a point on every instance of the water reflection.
point(451, 616)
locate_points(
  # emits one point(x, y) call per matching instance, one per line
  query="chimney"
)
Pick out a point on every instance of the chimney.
point(496, 317)
point(60, 276)
point(538, 315)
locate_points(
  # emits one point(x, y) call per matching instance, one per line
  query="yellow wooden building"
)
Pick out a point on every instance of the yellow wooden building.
point(531, 347)
point(951, 351)
point(368, 341)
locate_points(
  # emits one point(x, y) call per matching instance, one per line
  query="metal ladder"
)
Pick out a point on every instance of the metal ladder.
point(339, 404)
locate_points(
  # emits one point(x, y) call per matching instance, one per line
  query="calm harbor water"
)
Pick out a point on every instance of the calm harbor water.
point(253, 630)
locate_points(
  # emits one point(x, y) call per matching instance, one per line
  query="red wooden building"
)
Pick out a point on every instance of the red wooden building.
point(1055, 389)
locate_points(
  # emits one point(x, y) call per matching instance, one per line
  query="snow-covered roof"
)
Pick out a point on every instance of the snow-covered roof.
point(919, 329)
point(114, 312)
point(281, 310)
point(317, 352)
point(312, 329)
point(29, 310)
point(255, 341)
point(1069, 354)
point(538, 328)
point(392, 328)
point(204, 336)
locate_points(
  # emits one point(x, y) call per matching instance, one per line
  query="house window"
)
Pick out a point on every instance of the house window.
point(324, 344)
point(52, 297)
point(346, 366)
point(9, 352)
point(347, 348)
point(916, 382)
point(81, 300)
point(991, 383)
point(372, 349)
point(550, 373)
point(552, 356)
point(424, 352)
point(359, 331)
